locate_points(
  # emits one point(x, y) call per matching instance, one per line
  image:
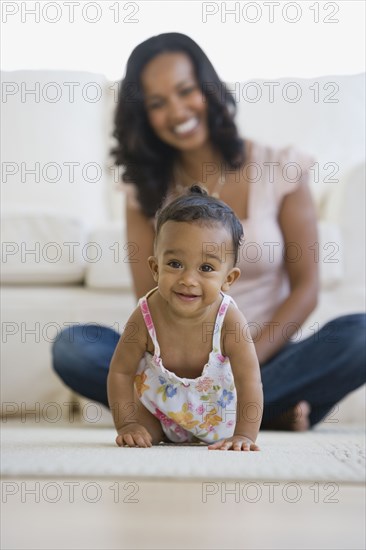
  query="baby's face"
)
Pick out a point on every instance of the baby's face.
point(192, 264)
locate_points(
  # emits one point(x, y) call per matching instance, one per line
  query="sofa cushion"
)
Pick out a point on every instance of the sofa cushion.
point(32, 317)
point(322, 116)
point(42, 247)
point(55, 152)
point(329, 254)
point(346, 205)
point(112, 270)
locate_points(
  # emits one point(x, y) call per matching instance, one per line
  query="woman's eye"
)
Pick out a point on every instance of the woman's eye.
point(174, 264)
point(187, 91)
point(154, 106)
point(206, 268)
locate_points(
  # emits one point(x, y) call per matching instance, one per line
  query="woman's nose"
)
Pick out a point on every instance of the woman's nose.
point(177, 111)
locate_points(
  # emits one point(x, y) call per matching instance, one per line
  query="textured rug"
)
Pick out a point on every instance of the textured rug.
point(336, 454)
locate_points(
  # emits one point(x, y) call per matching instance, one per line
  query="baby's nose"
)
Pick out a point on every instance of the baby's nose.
point(188, 277)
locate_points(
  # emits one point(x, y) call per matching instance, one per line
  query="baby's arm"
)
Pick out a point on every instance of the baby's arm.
point(239, 347)
point(120, 382)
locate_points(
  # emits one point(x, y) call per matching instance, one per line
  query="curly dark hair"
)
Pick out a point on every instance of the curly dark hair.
point(148, 161)
point(199, 207)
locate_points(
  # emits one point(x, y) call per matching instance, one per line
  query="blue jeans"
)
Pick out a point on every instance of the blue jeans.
point(322, 369)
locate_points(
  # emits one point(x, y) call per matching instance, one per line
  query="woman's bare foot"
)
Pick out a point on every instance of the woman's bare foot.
point(295, 419)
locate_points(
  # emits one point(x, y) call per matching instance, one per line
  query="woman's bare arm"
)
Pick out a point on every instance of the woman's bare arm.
point(140, 232)
point(297, 220)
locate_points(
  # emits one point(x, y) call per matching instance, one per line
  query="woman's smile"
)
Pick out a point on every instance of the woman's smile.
point(187, 128)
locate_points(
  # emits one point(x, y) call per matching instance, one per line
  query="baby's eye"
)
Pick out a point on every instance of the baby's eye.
point(207, 268)
point(174, 264)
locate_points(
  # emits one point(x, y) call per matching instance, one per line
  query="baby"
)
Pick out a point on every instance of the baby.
point(184, 369)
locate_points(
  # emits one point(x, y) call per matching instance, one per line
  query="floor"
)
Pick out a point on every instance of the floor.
point(109, 514)
point(60, 513)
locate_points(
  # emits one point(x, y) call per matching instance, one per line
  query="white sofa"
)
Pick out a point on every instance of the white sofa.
point(64, 256)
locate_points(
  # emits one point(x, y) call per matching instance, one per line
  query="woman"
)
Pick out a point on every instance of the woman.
point(174, 125)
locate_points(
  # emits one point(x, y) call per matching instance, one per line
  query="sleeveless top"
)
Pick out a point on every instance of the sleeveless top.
point(189, 409)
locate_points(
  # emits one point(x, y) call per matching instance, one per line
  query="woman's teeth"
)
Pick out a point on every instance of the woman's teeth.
point(186, 126)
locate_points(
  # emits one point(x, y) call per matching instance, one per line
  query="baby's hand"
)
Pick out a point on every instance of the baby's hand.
point(133, 435)
point(235, 443)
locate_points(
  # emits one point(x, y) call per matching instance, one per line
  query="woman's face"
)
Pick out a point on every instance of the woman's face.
point(175, 105)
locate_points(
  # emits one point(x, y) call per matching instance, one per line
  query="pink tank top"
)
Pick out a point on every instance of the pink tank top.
point(202, 408)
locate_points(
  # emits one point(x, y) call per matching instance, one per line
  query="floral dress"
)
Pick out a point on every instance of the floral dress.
point(189, 409)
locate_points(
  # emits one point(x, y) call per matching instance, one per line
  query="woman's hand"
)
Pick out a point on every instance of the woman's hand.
point(235, 443)
point(133, 435)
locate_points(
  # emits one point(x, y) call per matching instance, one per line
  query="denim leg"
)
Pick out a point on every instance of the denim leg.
point(81, 356)
point(321, 369)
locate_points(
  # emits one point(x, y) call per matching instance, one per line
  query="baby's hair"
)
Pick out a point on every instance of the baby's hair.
point(197, 206)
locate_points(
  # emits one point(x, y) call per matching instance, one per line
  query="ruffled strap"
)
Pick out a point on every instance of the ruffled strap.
point(216, 341)
point(145, 310)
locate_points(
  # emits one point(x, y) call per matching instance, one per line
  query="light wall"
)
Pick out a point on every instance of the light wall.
point(243, 39)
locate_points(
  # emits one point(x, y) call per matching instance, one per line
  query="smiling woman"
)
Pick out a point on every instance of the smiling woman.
point(179, 108)
point(176, 128)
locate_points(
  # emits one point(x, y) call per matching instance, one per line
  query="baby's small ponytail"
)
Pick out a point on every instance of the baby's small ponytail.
point(196, 189)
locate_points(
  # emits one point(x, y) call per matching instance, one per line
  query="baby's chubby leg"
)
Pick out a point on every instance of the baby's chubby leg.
point(138, 423)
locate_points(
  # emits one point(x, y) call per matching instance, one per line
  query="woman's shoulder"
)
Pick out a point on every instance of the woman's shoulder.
point(259, 151)
point(280, 169)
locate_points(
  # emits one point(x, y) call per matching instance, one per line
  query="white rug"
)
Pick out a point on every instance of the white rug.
point(323, 454)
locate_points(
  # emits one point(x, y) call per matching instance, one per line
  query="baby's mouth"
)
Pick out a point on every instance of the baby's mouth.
point(187, 297)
